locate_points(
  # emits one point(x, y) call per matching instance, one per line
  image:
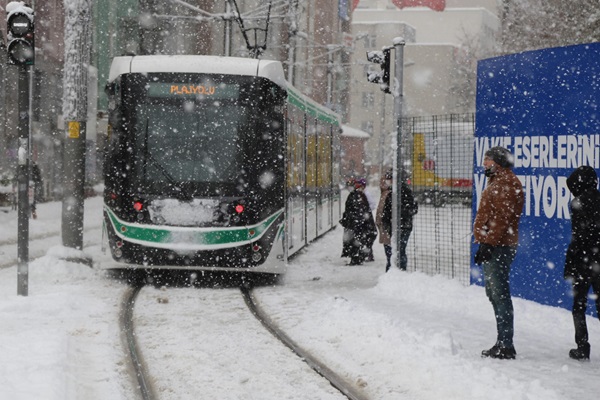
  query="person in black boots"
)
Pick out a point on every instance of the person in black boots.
point(582, 261)
point(496, 229)
point(348, 235)
point(359, 219)
point(383, 219)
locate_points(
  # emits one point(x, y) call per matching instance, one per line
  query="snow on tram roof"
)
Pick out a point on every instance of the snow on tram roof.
point(269, 69)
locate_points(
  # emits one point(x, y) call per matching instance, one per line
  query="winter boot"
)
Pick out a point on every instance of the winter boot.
point(500, 353)
point(581, 353)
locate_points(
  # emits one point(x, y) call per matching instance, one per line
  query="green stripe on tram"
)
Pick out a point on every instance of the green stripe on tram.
point(311, 109)
point(217, 236)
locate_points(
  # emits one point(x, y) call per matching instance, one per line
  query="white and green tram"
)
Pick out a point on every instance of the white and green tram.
point(215, 163)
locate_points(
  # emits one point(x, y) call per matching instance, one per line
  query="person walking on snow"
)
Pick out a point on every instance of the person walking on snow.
point(359, 219)
point(383, 219)
point(496, 229)
point(582, 261)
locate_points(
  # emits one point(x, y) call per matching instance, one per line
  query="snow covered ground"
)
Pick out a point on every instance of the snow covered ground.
point(396, 335)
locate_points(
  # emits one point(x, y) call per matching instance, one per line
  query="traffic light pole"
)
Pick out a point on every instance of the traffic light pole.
point(20, 51)
point(398, 167)
point(23, 183)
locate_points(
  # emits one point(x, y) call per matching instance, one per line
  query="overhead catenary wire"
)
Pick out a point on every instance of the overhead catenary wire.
point(255, 49)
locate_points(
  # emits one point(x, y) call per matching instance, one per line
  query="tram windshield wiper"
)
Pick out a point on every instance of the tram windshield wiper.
point(148, 156)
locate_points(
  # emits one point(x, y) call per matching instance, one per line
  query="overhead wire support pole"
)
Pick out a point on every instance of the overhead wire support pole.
point(228, 31)
point(75, 96)
point(329, 77)
point(398, 167)
point(292, 42)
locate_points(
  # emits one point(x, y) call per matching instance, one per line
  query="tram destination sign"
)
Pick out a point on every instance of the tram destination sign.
point(178, 89)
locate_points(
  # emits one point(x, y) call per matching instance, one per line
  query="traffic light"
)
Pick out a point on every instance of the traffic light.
point(383, 77)
point(20, 35)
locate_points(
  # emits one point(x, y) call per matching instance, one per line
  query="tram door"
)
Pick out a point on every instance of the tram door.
point(336, 206)
point(323, 179)
point(311, 179)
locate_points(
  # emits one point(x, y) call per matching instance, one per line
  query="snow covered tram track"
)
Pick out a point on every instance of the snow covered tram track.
point(345, 387)
point(137, 364)
point(186, 341)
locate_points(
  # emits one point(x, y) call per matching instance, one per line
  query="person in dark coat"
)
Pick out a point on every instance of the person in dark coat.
point(348, 236)
point(582, 261)
point(359, 219)
point(408, 208)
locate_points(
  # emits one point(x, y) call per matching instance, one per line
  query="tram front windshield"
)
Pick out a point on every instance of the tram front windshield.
point(190, 135)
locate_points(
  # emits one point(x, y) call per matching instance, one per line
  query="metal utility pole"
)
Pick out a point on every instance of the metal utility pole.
point(292, 21)
point(228, 30)
point(398, 167)
point(330, 50)
point(75, 81)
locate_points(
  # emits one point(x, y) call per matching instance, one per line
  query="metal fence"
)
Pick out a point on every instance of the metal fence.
point(438, 154)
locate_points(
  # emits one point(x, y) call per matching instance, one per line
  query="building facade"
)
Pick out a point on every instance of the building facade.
point(306, 35)
point(443, 43)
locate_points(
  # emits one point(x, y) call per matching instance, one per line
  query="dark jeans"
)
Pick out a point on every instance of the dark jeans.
point(581, 287)
point(404, 236)
point(497, 288)
point(388, 255)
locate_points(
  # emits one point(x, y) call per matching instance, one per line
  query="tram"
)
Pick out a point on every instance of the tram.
point(215, 163)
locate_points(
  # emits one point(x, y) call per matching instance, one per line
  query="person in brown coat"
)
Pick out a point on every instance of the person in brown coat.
point(496, 229)
point(384, 210)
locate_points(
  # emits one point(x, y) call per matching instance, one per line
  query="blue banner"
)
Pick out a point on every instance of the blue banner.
point(544, 106)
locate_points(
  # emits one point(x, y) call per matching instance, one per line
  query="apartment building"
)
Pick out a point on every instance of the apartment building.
point(443, 43)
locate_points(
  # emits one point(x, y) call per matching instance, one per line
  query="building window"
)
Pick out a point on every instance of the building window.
point(370, 41)
point(368, 99)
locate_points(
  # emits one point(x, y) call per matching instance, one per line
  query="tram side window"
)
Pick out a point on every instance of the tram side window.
point(295, 149)
point(324, 158)
point(311, 155)
point(336, 155)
